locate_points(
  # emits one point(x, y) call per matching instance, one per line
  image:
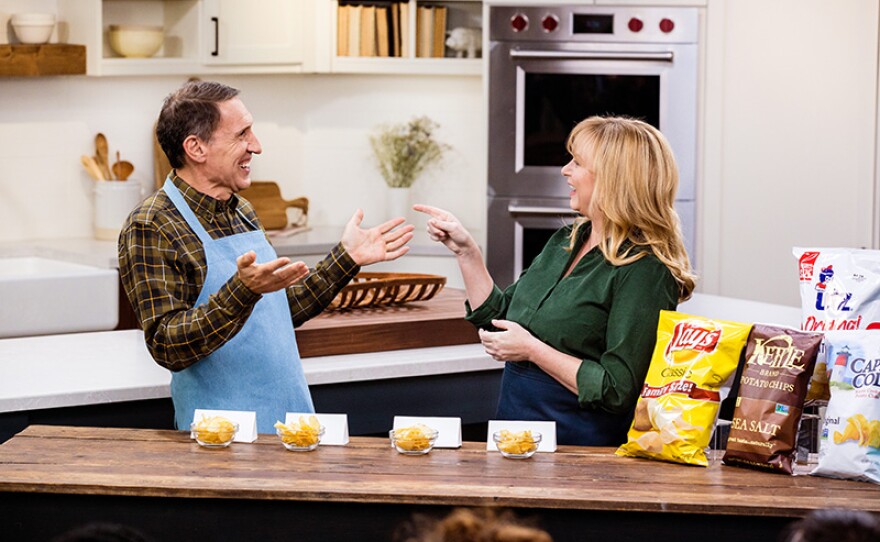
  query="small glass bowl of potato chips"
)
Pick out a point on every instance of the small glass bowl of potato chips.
point(213, 431)
point(414, 440)
point(303, 435)
point(517, 444)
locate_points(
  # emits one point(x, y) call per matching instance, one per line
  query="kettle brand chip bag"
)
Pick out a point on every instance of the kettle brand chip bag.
point(840, 290)
point(779, 362)
point(849, 446)
point(676, 412)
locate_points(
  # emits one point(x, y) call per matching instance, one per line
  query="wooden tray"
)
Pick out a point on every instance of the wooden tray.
point(383, 289)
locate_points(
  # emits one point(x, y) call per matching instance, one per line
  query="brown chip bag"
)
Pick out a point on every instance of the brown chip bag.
point(675, 414)
point(779, 362)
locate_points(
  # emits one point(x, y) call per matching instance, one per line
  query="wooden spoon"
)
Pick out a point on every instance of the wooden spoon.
point(92, 168)
point(122, 168)
point(102, 155)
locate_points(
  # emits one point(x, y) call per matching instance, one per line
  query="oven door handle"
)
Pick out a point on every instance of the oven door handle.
point(535, 210)
point(663, 56)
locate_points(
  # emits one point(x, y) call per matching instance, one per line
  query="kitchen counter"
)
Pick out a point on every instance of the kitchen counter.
point(52, 478)
point(113, 366)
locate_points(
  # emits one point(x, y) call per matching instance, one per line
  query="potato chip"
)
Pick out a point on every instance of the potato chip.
point(302, 434)
point(517, 443)
point(414, 438)
point(214, 429)
point(693, 358)
point(849, 446)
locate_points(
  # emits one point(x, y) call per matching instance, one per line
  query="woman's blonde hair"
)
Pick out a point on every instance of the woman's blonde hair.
point(635, 184)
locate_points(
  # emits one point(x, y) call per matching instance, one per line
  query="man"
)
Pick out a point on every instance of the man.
point(216, 304)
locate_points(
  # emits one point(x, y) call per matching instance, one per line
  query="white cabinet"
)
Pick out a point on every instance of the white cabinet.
point(341, 58)
point(201, 36)
point(255, 32)
point(790, 146)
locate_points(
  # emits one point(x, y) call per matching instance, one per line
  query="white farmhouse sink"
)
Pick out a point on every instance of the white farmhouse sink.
point(39, 296)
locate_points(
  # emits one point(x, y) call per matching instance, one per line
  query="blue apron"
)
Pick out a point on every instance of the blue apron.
point(259, 369)
point(528, 393)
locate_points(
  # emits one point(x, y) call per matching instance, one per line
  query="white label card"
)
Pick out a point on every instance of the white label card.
point(547, 430)
point(335, 426)
point(449, 429)
point(246, 420)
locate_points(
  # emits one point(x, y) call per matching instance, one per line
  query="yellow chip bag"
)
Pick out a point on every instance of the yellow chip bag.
point(676, 411)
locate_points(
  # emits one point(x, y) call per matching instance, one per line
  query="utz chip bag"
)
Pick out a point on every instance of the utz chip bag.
point(840, 290)
point(778, 364)
point(849, 446)
point(693, 359)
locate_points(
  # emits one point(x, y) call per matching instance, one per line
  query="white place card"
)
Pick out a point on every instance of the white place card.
point(246, 420)
point(335, 426)
point(547, 430)
point(449, 429)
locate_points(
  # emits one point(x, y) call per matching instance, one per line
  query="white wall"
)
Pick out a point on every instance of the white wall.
point(791, 139)
point(314, 130)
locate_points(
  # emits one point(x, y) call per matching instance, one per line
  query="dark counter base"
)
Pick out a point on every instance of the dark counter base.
point(371, 406)
point(29, 517)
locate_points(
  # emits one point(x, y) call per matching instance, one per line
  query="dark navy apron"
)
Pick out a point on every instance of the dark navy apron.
point(528, 393)
point(259, 369)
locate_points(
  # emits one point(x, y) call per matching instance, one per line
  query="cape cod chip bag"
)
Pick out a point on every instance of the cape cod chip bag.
point(778, 364)
point(849, 446)
point(676, 411)
point(840, 290)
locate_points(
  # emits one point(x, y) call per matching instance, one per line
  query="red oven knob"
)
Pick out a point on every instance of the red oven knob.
point(519, 22)
point(550, 23)
point(635, 24)
point(666, 25)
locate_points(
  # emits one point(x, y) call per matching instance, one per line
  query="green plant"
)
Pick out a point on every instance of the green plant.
point(404, 150)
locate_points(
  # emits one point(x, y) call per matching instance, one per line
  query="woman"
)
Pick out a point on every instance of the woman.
point(578, 327)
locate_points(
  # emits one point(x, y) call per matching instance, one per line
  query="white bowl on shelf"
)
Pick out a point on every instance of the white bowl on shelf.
point(33, 28)
point(136, 41)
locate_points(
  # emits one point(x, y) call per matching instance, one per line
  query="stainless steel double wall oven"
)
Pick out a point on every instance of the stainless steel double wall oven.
point(552, 66)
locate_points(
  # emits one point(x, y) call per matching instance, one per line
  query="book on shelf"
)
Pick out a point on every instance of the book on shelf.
point(404, 29)
point(424, 31)
point(383, 38)
point(382, 29)
point(395, 29)
point(354, 30)
point(368, 31)
point(438, 47)
point(342, 30)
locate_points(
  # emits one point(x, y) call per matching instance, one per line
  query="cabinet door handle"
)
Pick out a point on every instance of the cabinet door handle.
point(216, 21)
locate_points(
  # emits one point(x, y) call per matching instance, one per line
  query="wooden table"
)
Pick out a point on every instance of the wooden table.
point(54, 477)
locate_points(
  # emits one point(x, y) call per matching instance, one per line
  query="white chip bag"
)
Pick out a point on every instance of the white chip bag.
point(840, 290)
point(849, 446)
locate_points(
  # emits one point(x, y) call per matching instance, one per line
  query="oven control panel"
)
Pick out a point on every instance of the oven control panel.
point(594, 24)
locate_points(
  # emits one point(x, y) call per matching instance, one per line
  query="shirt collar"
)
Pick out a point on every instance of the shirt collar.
point(202, 204)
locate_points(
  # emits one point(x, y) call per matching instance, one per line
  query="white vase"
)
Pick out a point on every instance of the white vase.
point(397, 203)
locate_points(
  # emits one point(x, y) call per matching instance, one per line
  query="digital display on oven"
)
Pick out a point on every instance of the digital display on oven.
point(593, 24)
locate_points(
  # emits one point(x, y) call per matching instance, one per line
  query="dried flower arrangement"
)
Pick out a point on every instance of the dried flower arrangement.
point(404, 150)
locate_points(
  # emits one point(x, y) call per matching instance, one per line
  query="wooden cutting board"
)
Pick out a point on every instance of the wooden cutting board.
point(438, 321)
point(161, 166)
point(271, 208)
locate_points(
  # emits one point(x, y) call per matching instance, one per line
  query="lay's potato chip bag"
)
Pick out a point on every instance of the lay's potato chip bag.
point(849, 446)
point(676, 411)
